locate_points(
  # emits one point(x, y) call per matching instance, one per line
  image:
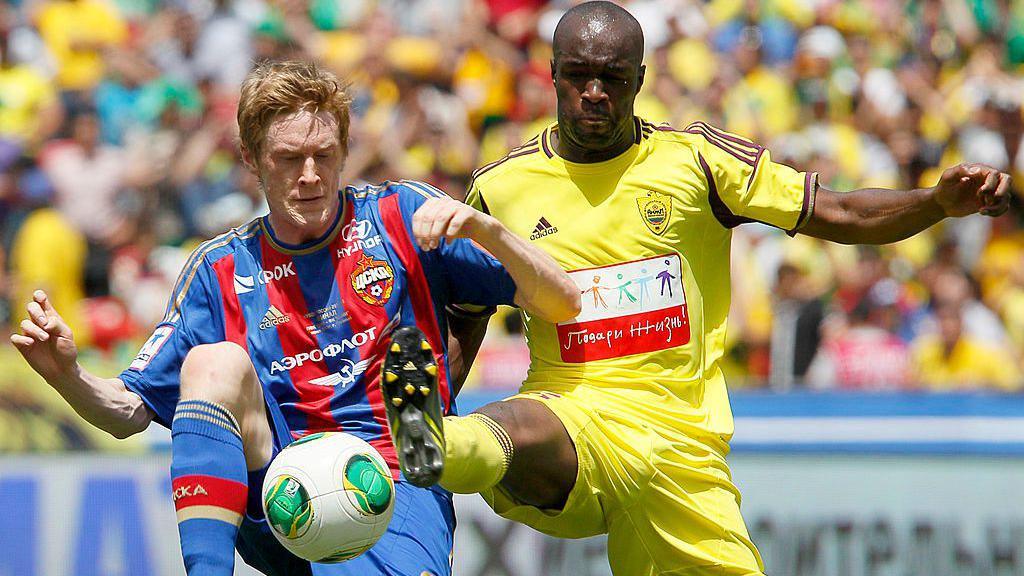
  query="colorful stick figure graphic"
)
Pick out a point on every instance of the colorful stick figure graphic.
point(596, 290)
point(642, 283)
point(624, 291)
point(666, 280)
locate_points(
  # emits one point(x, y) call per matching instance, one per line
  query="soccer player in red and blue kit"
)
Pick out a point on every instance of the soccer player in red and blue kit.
point(279, 328)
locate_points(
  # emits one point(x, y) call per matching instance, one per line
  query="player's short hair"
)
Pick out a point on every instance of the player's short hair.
point(275, 88)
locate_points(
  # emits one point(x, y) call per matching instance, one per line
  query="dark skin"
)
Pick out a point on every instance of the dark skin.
point(465, 334)
point(597, 74)
point(881, 216)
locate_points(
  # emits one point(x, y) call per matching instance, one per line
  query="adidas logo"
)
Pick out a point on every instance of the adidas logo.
point(273, 317)
point(542, 229)
point(409, 366)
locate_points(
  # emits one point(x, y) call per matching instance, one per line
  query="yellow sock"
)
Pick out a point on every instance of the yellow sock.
point(478, 452)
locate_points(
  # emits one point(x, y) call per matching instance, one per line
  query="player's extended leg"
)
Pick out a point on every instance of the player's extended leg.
point(518, 443)
point(219, 432)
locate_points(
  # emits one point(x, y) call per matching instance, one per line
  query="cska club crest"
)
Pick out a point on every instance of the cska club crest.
point(655, 209)
point(372, 280)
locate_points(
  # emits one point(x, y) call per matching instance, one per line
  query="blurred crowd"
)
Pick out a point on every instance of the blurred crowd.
point(118, 154)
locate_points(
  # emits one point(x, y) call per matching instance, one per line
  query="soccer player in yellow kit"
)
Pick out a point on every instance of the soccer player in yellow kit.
point(623, 423)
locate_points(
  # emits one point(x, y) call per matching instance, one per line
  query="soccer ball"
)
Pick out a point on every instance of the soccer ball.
point(328, 497)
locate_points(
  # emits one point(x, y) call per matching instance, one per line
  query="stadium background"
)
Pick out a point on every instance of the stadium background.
point(879, 421)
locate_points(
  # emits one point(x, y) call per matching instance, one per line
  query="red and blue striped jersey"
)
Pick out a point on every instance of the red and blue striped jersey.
point(315, 318)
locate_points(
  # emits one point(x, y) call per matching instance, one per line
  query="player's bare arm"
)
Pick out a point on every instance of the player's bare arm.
point(48, 346)
point(466, 330)
point(542, 287)
point(879, 216)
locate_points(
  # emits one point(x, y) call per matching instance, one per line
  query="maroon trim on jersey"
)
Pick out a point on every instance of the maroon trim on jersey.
point(741, 142)
point(483, 203)
point(544, 142)
point(646, 127)
point(718, 207)
point(234, 320)
point(810, 187)
point(286, 295)
point(418, 288)
point(361, 317)
point(528, 147)
point(516, 153)
point(748, 153)
point(757, 162)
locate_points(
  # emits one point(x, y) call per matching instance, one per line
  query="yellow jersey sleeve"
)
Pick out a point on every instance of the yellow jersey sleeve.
point(474, 199)
point(746, 186)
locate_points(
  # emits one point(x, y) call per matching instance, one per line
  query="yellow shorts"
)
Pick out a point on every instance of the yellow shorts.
point(668, 507)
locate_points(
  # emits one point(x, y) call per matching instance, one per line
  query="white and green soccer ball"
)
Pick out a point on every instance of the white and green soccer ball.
point(328, 497)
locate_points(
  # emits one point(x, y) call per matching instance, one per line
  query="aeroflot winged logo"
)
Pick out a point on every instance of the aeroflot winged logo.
point(372, 280)
point(347, 373)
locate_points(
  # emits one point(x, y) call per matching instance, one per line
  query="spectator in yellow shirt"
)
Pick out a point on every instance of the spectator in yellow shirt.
point(762, 104)
point(29, 110)
point(46, 251)
point(951, 360)
point(77, 32)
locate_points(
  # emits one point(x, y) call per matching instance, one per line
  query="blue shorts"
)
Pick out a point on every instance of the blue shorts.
point(418, 540)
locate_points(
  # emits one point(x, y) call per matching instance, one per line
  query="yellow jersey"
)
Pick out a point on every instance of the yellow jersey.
point(970, 365)
point(23, 94)
point(645, 236)
point(76, 34)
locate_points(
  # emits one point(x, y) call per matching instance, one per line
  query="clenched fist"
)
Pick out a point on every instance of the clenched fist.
point(441, 218)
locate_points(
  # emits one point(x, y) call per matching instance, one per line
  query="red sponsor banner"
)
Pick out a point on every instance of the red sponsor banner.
point(624, 335)
point(202, 490)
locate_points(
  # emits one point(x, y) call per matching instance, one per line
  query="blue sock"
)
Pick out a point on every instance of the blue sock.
point(254, 509)
point(208, 477)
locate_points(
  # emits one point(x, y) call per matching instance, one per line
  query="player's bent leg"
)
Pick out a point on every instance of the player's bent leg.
point(544, 463)
point(519, 443)
point(223, 374)
point(221, 403)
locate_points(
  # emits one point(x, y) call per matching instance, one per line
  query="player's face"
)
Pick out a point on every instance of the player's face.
point(299, 169)
point(596, 85)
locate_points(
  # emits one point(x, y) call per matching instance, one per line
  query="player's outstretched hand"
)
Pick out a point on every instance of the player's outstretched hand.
point(46, 341)
point(973, 188)
point(441, 218)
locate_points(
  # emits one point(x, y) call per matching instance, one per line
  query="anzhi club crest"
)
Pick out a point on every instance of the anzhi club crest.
point(655, 209)
point(372, 280)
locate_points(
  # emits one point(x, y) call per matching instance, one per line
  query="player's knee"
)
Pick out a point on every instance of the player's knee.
point(544, 462)
point(533, 429)
point(220, 373)
point(513, 422)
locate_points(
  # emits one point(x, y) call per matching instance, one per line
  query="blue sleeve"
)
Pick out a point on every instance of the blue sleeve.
point(474, 276)
point(193, 317)
point(470, 274)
